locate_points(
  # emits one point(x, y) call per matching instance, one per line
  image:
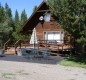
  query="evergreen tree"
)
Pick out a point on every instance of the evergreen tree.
point(35, 8)
point(16, 19)
point(18, 24)
point(9, 26)
point(6, 22)
point(2, 14)
point(23, 20)
point(0, 5)
point(8, 16)
point(8, 12)
point(72, 15)
point(23, 17)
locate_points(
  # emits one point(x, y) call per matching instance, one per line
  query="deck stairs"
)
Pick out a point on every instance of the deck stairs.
point(12, 49)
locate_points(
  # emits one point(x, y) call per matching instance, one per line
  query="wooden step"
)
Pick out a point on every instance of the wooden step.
point(10, 51)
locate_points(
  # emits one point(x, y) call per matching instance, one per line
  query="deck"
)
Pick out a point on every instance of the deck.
point(57, 47)
point(41, 44)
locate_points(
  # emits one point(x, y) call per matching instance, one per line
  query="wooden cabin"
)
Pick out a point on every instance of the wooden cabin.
point(43, 28)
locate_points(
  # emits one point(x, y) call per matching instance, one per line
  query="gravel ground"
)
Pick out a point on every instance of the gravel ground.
point(10, 70)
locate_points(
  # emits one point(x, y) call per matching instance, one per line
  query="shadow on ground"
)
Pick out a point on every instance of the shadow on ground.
point(48, 60)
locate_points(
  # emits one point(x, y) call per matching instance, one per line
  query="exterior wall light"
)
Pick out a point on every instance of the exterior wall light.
point(41, 18)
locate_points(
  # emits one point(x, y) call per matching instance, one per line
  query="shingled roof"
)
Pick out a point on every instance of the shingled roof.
point(34, 18)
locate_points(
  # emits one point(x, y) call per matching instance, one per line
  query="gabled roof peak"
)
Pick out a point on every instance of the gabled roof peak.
point(34, 18)
point(45, 0)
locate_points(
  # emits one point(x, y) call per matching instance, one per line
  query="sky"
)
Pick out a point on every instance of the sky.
point(20, 5)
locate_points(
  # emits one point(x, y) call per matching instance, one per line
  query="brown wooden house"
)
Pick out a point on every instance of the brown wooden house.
point(42, 26)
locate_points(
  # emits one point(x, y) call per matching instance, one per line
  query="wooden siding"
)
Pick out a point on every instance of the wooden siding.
point(51, 26)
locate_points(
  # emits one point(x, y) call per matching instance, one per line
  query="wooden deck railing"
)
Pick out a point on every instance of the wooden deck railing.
point(18, 43)
point(46, 43)
point(6, 44)
point(55, 46)
point(21, 43)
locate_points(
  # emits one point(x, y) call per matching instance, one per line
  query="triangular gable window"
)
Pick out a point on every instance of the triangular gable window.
point(47, 17)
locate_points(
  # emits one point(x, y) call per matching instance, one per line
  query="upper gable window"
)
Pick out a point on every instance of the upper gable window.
point(47, 17)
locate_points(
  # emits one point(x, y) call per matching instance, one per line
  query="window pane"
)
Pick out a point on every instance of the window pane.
point(50, 36)
point(57, 37)
point(47, 17)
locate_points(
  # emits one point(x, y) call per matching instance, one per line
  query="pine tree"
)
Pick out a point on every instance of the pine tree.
point(23, 20)
point(72, 15)
point(2, 14)
point(16, 19)
point(6, 22)
point(8, 12)
point(23, 17)
point(18, 25)
point(9, 26)
point(35, 8)
point(0, 5)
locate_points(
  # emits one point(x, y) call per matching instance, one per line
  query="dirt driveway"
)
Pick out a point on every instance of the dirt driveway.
point(29, 70)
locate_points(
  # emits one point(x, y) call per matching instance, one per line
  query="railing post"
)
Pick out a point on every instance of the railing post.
point(15, 48)
point(16, 44)
point(38, 44)
point(4, 47)
point(20, 44)
point(46, 43)
point(6, 44)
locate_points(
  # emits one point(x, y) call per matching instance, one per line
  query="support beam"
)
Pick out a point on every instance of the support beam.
point(43, 11)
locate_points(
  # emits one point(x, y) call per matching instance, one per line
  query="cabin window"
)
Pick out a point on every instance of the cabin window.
point(47, 17)
point(54, 37)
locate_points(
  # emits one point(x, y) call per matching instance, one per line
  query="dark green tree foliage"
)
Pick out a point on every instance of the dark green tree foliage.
point(9, 26)
point(16, 17)
point(22, 22)
point(15, 34)
point(35, 8)
point(8, 12)
point(72, 15)
point(8, 18)
point(6, 23)
point(23, 17)
point(18, 25)
point(2, 14)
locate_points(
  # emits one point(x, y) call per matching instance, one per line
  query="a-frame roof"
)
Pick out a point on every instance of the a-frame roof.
point(34, 18)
